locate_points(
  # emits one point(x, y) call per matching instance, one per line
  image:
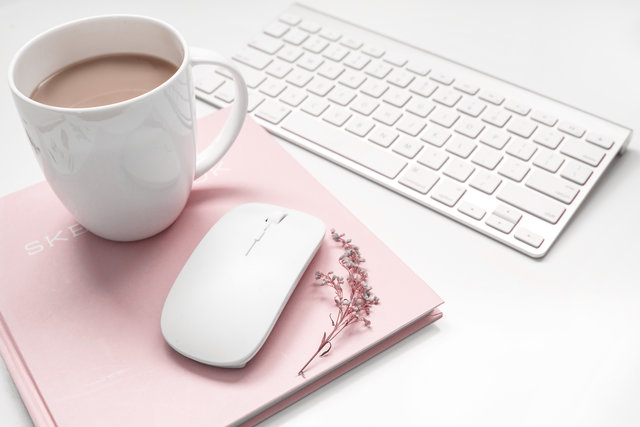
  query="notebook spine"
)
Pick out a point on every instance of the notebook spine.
point(23, 380)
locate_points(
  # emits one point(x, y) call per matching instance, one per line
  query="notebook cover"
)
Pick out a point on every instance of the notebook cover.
point(80, 315)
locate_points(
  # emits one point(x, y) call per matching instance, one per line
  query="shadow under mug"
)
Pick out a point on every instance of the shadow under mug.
point(123, 170)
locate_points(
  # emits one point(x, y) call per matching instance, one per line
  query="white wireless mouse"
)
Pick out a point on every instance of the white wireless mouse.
point(236, 282)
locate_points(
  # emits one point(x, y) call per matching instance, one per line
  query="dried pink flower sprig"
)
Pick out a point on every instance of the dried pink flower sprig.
point(354, 309)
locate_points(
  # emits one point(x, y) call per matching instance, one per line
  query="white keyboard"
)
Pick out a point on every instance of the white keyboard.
point(505, 161)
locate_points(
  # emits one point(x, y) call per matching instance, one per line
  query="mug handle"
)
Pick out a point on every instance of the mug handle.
point(210, 156)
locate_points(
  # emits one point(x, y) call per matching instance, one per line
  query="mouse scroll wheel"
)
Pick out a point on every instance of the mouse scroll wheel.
point(276, 217)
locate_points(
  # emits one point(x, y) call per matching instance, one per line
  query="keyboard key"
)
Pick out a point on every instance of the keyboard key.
point(485, 181)
point(352, 79)
point(435, 135)
point(552, 186)
point(299, 77)
point(342, 95)
point(295, 37)
point(276, 29)
point(420, 107)
point(521, 149)
point(225, 93)
point(279, 69)
point(466, 87)
point(458, 170)
point(207, 81)
point(499, 224)
point(471, 210)
point(336, 116)
point(528, 237)
point(272, 87)
point(374, 88)
point(444, 117)
point(335, 53)
point(290, 19)
point(432, 158)
point(544, 118)
point(394, 59)
point(266, 44)
point(443, 78)
point(532, 202)
point(418, 67)
point(471, 107)
point(407, 147)
point(599, 140)
point(252, 77)
point(547, 137)
point(447, 97)
point(309, 26)
point(411, 125)
point(517, 107)
point(351, 43)
point(314, 106)
point(387, 114)
point(513, 169)
point(293, 97)
point(377, 69)
point(491, 97)
point(351, 147)
point(310, 62)
point(330, 35)
point(548, 160)
point(315, 44)
point(400, 78)
point(423, 87)
point(521, 127)
point(494, 138)
point(272, 111)
point(225, 71)
point(359, 126)
point(396, 97)
point(373, 51)
point(330, 70)
point(364, 104)
point(383, 136)
point(254, 101)
point(583, 151)
point(496, 117)
point(461, 146)
point(357, 61)
point(576, 172)
point(289, 54)
point(419, 178)
point(320, 86)
point(487, 157)
point(571, 129)
point(253, 59)
point(507, 213)
point(448, 192)
point(468, 127)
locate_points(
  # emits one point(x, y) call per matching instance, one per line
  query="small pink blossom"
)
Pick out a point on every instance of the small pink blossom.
point(351, 310)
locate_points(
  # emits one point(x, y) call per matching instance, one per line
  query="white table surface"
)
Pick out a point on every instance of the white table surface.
point(523, 342)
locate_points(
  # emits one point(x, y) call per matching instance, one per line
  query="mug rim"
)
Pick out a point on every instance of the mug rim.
point(50, 31)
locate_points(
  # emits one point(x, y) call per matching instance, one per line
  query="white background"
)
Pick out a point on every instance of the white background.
point(523, 342)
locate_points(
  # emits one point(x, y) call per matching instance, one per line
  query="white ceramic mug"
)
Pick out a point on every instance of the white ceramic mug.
point(123, 170)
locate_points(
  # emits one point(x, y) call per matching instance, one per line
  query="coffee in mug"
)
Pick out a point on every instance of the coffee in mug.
point(103, 80)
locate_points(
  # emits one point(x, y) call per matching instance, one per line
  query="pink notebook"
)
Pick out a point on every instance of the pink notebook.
point(80, 316)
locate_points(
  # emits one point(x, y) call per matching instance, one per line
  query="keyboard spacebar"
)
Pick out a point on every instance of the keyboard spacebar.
point(345, 144)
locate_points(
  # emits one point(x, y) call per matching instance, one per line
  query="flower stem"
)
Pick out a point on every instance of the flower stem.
point(360, 296)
